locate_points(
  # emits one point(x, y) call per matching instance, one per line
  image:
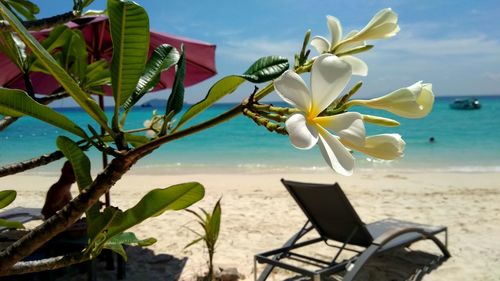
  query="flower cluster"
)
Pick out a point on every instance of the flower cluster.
point(322, 117)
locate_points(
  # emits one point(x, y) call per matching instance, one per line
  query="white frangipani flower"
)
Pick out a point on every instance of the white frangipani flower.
point(384, 146)
point(322, 45)
point(383, 25)
point(329, 76)
point(415, 101)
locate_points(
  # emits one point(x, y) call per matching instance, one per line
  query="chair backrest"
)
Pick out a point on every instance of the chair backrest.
point(330, 212)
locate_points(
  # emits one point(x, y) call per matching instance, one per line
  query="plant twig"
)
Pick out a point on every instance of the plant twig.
point(40, 24)
point(46, 264)
point(45, 159)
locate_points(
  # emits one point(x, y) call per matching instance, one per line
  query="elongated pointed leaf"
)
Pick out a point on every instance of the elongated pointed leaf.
point(10, 224)
point(97, 74)
point(213, 226)
point(176, 98)
point(17, 103)
point(55, 69)
point(81, 167)
point(97, 228)
point(14, 49)
point(117, 248)
point(156, 202)
point(23, 7)
point(127, 238)
point(219, 90)
point(6, 197)
point(79, 161)
point(129, 29)
point(266, 69)
point(163, 57)
point(197, 240)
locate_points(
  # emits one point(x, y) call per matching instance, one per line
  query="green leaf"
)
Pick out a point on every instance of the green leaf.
point(163, 57)
point(17, 103)
point(129, 29)
point(81, 167)
point(136, 140)
point(99, 225)
point(25, 8)
point(197, 240)
point(6, 197)
point(213, 226)
point(156, 202)
point(14, 49)
point(55, 69)
point(10, 224)
point(97, 75)
point(117, 248)
point(266, 69)
point(127, 238)
point(219, 90)
point(79, 161)
point(176, 98)
point(69, 50)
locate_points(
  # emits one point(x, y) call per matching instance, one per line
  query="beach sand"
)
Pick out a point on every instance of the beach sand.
point(258, 215)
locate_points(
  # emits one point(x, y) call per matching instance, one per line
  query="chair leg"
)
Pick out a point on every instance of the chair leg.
point(360, 261)
point(269, 268)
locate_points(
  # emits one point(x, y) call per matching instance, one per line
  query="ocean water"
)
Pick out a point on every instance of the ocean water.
point(465, 141)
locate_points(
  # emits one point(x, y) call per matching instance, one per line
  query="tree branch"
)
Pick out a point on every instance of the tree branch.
point(46, 264)
point(30, 164)
point(43, 23)
point(68, 215)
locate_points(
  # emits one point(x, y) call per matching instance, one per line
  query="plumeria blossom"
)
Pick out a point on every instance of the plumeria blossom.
point(329, 76)
point(383, 25)
point(415, 101)
point(322, 45)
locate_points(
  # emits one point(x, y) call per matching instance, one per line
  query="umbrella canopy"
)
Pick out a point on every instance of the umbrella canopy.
point(200, 56)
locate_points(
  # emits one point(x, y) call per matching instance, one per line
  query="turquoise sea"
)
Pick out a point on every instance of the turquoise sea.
point(465, 141)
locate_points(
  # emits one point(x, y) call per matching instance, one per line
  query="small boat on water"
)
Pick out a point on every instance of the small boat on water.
point(465, 104)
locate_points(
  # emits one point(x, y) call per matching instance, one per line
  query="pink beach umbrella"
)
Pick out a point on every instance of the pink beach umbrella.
point(200, 56)
point(200, 59)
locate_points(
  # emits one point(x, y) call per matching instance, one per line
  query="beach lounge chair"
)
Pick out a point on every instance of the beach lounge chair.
point(331, 214)
point(21, 214)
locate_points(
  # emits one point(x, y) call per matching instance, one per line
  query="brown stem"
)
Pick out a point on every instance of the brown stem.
point(45, 264)
point(69, 214)
point(6, 121)
point(30, 164)
point(43, 23)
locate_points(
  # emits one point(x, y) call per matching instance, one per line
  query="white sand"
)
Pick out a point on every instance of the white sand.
point(258, 215)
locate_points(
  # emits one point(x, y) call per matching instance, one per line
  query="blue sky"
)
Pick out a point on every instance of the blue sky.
point(455, 45)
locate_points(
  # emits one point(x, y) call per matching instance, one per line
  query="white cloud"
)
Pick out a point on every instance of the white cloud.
point(250, 49)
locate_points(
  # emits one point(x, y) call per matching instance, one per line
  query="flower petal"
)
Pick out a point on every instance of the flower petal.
point(293, 90)
point(329, 76)
point(347, 125)
point(358, 66)
point(335, 29)
point(335, 154)
point(302, 134)
point(415, 101)
point(383, 25)
point(385, 146)
point(321, 44)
